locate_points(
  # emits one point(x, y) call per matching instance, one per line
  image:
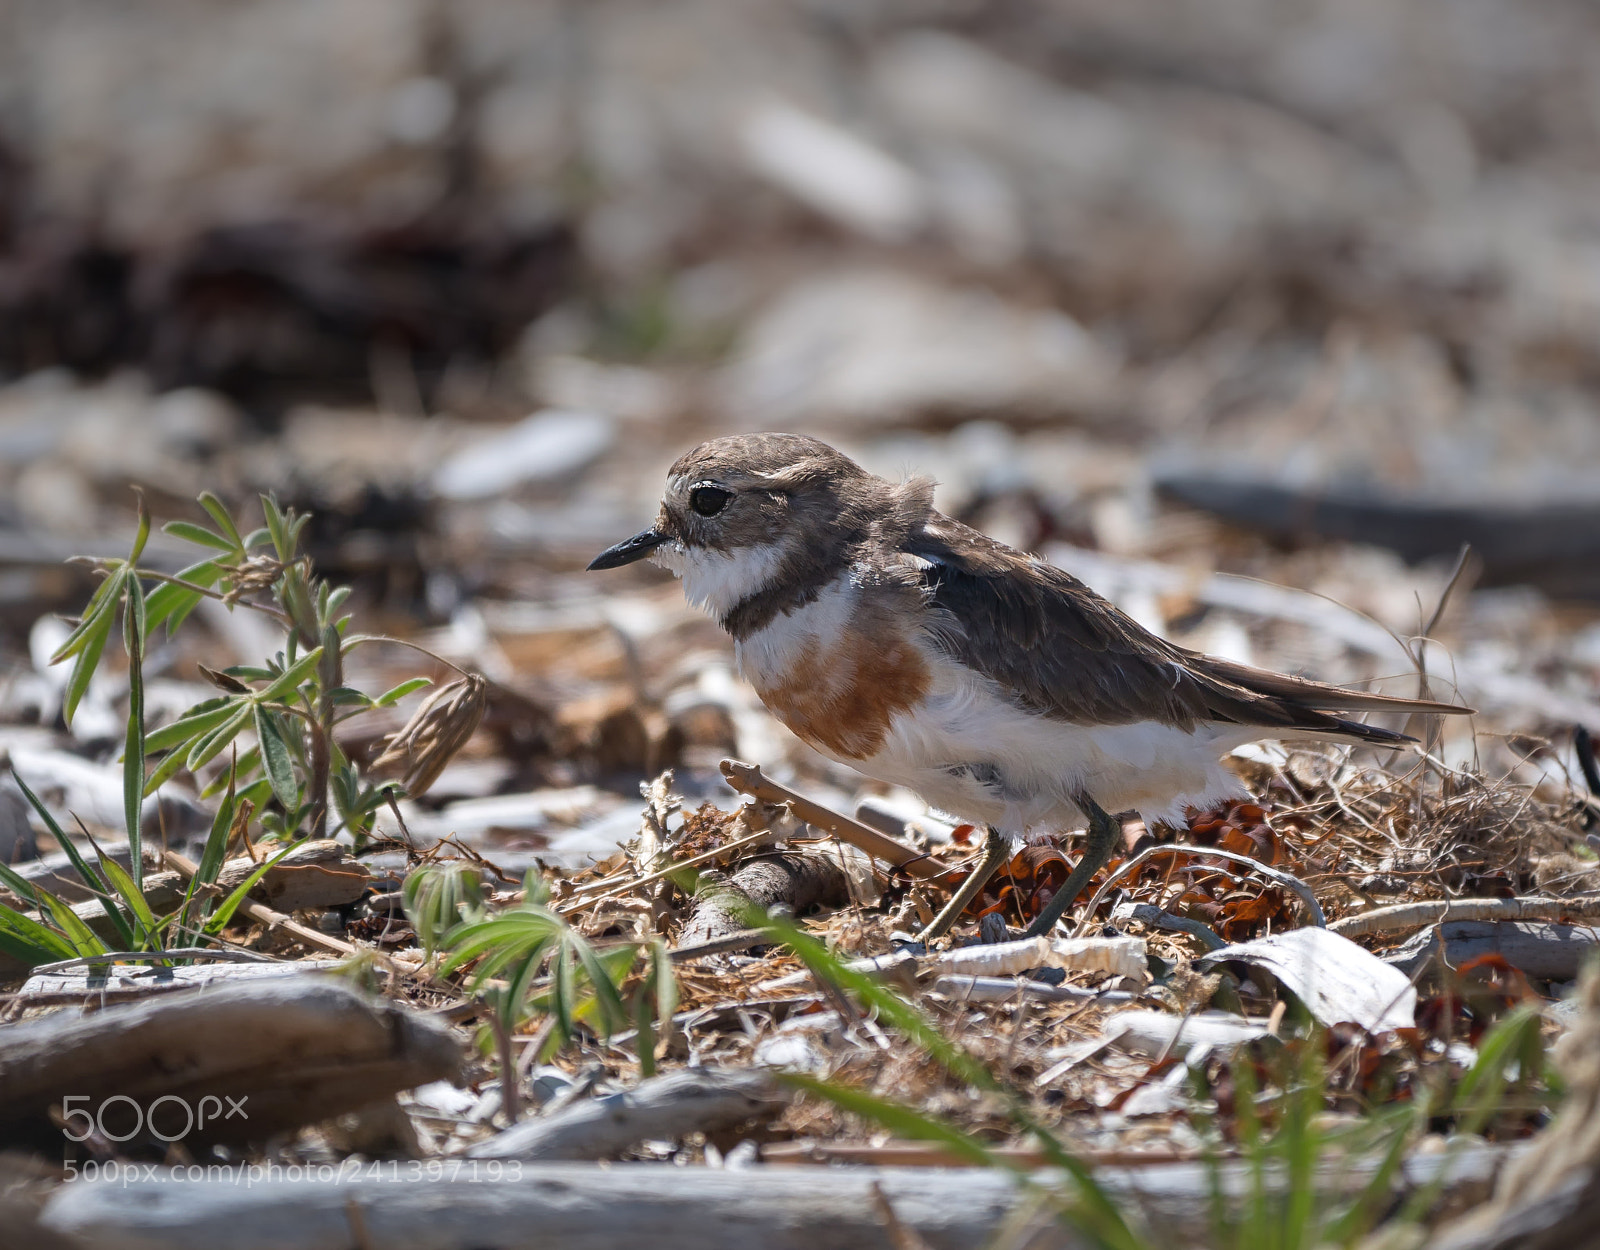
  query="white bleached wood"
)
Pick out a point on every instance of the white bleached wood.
point(583, 1207)
point(695, 1100)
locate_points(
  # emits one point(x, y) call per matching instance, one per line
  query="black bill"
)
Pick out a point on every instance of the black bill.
point(635, 548)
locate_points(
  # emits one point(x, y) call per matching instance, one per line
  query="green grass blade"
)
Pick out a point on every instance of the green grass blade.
point(900, 1120)
point(891, 1008)
point(133, 635)
point(25, 939)
point(224, 912)
point(84, 939)
point(137, 904)
point(91, 878)
point(216, 847)
point(214, 852)
point(664, 979)
point(18, 885)
point(96, 883)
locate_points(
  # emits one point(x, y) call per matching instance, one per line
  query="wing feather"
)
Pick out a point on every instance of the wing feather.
point(1061, 650)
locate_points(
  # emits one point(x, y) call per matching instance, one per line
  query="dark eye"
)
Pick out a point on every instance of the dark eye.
point(709, 500)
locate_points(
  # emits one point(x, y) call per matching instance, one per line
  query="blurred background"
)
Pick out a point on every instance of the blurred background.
point(1243, 310)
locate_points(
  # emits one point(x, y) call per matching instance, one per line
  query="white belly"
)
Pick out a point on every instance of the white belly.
point(1021, 769)
point(969, 750)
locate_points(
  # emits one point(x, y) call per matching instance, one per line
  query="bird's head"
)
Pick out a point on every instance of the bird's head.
point(743, 513)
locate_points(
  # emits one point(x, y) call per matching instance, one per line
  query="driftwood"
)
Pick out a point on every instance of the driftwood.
point(695, 1100)
point(1551, 952)
point(748, 779)
point(1404, 916)
point(1555, 546)
point(128, 980)
point(971, 989)
point(55, 873)
point(1109, 957)
point(498, 1204)
point(289, 1053)
point(795, 881)
point(276, 920)
point(316, 875)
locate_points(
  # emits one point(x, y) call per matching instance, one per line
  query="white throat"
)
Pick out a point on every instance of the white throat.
point(718, 581)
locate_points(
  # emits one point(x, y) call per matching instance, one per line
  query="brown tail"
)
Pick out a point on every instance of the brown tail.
point(1321, 695)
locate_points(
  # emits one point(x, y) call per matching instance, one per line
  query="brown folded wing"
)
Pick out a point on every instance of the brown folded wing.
point(1061, 650)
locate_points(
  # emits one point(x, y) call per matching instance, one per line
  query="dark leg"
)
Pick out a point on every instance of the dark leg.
point(1105, 831)
point(996, 850)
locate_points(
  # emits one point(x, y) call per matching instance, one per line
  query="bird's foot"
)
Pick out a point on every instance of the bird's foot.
point(1105, 832)
point(995, 852)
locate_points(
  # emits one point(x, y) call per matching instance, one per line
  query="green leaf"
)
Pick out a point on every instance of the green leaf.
point(142, 535)
point(94, 643)
point(220, 514)
point(247, 764)
point(103, 598)
point(24, 938)
point(135, 899)
point(393, 695)
point(199, 534)
point(609, 1003)
point(171, 604)
point(347, 696)
point(199, 719)
point(224, 913)
point(208, 745)
point(564, 989)
point(163, 772)
point(275, 755)
point(291, 677)
point(277, 527)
